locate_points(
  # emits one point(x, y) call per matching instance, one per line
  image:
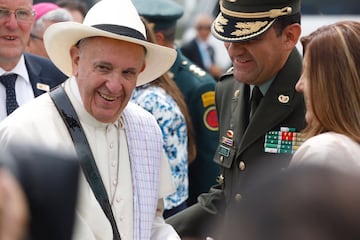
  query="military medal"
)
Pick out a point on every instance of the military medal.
point(227, 141)
point(230, 133)
point(287, 140)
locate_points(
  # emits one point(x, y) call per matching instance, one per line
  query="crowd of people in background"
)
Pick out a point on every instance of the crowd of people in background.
point(226, 133)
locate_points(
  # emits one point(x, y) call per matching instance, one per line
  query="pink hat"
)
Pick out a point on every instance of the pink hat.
point(43, 8)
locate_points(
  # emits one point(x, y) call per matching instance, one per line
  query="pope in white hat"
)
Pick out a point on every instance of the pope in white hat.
point(105, 57)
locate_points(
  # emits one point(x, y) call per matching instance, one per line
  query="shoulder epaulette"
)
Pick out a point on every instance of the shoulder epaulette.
point(196, 70)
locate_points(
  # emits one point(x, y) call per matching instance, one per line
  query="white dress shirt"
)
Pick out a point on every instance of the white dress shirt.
point(23, 88)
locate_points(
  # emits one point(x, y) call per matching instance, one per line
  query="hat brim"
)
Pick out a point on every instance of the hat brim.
point(230, 29)
point(60, 37)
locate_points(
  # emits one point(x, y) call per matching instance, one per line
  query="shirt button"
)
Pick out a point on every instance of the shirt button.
point(113, 163)
point(238, 197)
point(111, 145)
point(242, 166)
point(114, 182)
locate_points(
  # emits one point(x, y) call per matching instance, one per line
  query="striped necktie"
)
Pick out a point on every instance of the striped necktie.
point(9, 83)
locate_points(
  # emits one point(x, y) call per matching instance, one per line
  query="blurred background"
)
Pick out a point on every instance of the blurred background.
point(315, 13)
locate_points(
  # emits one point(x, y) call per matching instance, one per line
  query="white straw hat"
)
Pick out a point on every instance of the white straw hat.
point(117, 19)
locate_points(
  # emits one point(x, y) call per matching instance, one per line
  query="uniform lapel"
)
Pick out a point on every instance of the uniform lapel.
point(276, 105)
point(239, 107)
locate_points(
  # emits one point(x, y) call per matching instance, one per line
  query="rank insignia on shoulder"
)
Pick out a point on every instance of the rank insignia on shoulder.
point(198, 71)
point(208, 98)
point(287, 140)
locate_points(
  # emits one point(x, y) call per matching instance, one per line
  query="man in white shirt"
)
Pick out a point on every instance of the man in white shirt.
point(32, 75)
point(105, 58)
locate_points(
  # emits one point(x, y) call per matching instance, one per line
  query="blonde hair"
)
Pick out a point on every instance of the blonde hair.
point(332, 54)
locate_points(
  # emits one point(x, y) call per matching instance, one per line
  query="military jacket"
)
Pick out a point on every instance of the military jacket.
point(241, 150)
point(198, 88)
point(243, 153)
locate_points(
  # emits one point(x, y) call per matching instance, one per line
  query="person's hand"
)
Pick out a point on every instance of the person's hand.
point(14, 213)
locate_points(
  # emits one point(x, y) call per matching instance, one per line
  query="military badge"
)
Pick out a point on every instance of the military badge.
point(287, 140)
point(210, 119)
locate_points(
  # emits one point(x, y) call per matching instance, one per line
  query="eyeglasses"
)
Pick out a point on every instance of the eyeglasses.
point(36, 37)
point(23, 15)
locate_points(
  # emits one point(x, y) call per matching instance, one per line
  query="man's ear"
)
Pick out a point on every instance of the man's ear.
point(75, 56)
point(292, 34)
point(160, 38)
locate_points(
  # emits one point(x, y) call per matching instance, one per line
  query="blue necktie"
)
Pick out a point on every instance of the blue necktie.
point(9, 83)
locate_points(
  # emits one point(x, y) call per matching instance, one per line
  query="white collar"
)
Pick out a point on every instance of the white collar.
point(19, 69)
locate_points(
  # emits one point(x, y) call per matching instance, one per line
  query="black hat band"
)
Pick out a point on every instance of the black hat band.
point(121, 30)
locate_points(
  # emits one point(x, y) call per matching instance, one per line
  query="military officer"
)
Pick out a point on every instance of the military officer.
point(260, 113)
point(198, 88)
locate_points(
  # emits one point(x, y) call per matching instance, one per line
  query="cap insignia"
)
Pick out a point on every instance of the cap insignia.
point(220, 23)
point(246, 28)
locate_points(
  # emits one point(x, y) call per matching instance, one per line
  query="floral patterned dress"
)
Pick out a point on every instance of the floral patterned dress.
point(173, 126)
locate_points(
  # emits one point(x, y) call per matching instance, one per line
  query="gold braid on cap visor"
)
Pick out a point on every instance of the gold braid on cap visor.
point(245, 30)
point(273, 13)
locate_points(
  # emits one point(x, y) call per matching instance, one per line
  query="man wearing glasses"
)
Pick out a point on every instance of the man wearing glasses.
point(22, 76)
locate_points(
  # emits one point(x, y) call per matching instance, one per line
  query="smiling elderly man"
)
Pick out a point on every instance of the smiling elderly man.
point(119, 145)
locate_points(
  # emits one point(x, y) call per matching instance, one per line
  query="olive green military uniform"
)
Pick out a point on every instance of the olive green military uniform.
point(243, 151)
point(281, 107)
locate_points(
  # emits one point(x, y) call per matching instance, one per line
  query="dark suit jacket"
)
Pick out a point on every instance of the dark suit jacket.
point(246, 158)
point(42, 70)
point(191, 50)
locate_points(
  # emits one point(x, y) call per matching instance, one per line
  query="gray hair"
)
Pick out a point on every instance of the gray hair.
point(57, 15)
